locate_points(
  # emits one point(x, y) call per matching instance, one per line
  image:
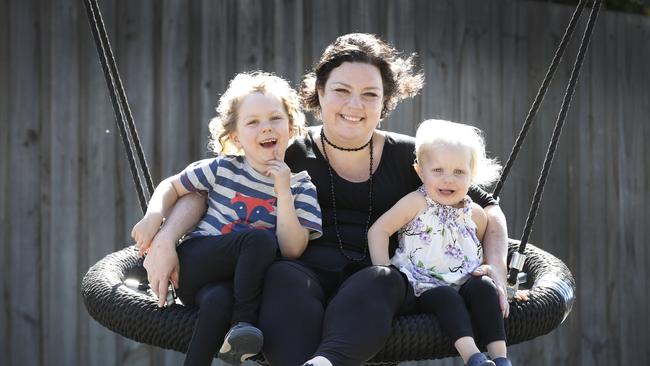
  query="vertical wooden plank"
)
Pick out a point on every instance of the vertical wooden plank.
point(616, 166)
point(567, 336)
point(4, 171)
point(216, 53)
point(98, 181)
point(479, 60)
point(628, 256)
point(514, 102)
point(323, 25)
point(196, 126)
point(44, 163)
point(367, 16)
point(400, 30)
point(174, 133)
point(134, 30)
point(592, 272)
point(145, 71)
point(23, 283)
point(289, 40)
point(642, 230)
point(551, 227)
point(440, 45)
point(326, 26)
point(61, 301)
point(644, 192)
point(174, 87)
point(249, 47)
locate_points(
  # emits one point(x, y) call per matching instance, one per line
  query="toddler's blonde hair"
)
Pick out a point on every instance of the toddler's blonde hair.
point(242, 85)
point(433, 132)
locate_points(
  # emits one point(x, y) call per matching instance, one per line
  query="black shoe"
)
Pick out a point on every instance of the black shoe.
point(242, 341)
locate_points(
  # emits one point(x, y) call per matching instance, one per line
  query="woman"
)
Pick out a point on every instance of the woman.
point(330, 307)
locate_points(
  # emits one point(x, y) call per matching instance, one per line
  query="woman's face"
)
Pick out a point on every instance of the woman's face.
point(351, 102)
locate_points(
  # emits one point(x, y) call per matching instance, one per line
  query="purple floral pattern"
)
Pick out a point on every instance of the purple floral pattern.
point(439, 247)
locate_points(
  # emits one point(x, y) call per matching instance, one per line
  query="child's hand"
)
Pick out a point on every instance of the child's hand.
point(281, 174)
point(144, 231)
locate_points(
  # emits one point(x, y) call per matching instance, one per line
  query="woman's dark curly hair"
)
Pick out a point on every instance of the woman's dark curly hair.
point(400, 77)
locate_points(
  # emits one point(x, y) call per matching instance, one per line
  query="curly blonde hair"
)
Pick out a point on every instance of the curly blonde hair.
point(433, 132)
point(242, 85)
point(401, 78)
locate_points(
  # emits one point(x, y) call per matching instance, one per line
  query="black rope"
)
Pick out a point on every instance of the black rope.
point(541, 93)
point(123, 99)
point(557, 131)
point(121, 106)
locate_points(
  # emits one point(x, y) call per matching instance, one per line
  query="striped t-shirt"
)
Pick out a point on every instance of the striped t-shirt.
point(241, 198)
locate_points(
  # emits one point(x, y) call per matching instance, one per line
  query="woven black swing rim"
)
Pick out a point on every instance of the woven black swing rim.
point(135, 315)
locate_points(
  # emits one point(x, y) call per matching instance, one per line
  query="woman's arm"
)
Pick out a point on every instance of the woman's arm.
point(480, 219)
point(161, 261)
point(495, 251)
point(392, 220)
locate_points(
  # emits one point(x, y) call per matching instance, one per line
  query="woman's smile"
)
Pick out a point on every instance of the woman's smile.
point(351, 102)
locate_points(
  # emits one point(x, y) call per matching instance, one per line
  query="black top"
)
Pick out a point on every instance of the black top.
point(393, 179)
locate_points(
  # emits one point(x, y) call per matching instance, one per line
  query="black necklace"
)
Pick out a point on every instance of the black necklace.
point(324, 139)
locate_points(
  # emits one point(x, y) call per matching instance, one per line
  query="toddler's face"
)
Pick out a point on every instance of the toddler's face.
point(262, 129)
point(446, 173)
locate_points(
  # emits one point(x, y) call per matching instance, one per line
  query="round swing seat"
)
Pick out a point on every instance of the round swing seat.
point(133, 312)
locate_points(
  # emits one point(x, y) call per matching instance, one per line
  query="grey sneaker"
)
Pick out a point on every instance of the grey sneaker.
point(502, 361)
point(242, 341)
point(479, 359)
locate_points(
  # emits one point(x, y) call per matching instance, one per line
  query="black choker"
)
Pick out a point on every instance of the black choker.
point(336, 221)
point(324, 138)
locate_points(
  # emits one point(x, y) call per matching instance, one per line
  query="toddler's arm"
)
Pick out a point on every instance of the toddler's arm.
point(292, 236)
point(162, 199)
point(391, 221)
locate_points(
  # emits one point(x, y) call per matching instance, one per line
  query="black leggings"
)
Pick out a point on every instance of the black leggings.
point(300, 322)
point(205, 262)
point(474, 306)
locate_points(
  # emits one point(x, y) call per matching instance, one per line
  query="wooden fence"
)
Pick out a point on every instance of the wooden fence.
point(67, 198)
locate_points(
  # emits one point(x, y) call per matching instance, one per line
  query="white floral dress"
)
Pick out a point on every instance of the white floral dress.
point(439, 247)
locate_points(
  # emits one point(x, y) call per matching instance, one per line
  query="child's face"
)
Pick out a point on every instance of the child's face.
point(262, 129)
point(446, 173)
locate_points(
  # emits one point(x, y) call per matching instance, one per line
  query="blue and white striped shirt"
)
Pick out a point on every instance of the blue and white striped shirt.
point(241, 198)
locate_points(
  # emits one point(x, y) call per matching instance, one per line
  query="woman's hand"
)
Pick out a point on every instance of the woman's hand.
point(495, 252)
point(162, 267)
point(144, 231)
point(161, 261)
point(499, 279)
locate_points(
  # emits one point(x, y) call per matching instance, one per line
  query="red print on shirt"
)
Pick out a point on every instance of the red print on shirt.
point(249, 211)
